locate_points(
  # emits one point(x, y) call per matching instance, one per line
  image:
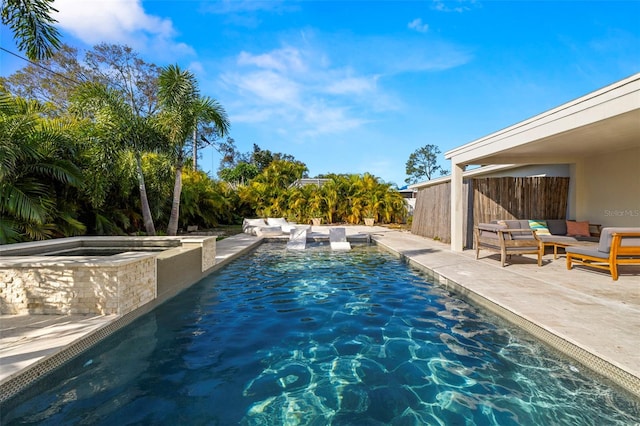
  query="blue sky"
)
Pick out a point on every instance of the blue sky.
point(357, 86)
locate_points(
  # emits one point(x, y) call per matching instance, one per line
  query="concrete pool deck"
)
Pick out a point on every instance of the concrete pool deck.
point(581, 312)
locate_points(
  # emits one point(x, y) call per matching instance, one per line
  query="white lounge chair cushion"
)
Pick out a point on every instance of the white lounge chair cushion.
point(268, 230)
point(249, 226)
point(281, 222)
point(340, 245)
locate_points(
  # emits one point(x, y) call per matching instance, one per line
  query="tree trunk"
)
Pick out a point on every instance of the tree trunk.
point(144, 201)
point(172, 229)
point(195, 148)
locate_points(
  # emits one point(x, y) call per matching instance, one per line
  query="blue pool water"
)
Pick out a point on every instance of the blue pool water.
point(317, 337)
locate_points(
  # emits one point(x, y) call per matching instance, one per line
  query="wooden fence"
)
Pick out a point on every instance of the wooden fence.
point(486, 199)
point(520, 198)
point(432, 214)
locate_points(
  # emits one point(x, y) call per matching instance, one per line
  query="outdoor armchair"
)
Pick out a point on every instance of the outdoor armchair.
point(506, 241)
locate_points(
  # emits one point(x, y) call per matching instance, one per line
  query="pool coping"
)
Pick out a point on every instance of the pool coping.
point(233, 247)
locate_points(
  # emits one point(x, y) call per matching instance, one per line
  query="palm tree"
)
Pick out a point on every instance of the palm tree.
point(331, 196)
point(32, 26)
point(204, 202)
point(183, 108)
point(116, 120)
point(33, 168)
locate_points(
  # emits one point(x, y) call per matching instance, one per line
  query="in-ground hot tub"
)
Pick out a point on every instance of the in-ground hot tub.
point(99, 275)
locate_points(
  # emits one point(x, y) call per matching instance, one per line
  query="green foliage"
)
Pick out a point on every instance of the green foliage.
point(242, 173)
point(343, 199)
point(36, 168)
point(205, 203)
point(423, 163)
point(38, 82)
point(240, 168)
point(32, 26)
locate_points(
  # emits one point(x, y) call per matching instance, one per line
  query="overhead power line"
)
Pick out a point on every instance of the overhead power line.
point(40, 66)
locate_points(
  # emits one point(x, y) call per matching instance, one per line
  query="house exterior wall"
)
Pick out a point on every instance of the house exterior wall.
point(547, 170)
point(608, 188)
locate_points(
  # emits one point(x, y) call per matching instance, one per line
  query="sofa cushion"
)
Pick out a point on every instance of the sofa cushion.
point(540, 226)
point(518, 224)
point(606, 235)
point(557, 226)
point(578, 229)
point(563, 239)
point(587, 251)
point(490, 230)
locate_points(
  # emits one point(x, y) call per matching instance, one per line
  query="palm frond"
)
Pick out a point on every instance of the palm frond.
point(33, 27)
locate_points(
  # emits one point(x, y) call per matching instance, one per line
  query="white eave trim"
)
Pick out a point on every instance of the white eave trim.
point(478, 171)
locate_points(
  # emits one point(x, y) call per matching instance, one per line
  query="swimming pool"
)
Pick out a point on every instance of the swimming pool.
point(320, 337)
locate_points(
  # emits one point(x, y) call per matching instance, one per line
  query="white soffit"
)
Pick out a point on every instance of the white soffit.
point(603, 121)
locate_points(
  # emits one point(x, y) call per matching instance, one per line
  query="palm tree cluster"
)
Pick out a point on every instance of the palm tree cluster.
point(340, 199)
point(36, 172)
point(67, 174)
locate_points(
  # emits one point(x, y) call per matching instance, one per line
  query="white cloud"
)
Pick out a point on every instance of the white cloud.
point(458, 6)
point(242, 6)
point(197, 67)
point(412, 55)
point(352, 85)
point(313, 89)
point(324, 119)
point(264, 86)
point(298, 89)
point(417, 25)
point(283, 60)
point(120, 22)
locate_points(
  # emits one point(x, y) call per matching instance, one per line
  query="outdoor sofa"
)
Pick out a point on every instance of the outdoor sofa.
point(563, 233)
point(526, 236)
point(270, 226)
point(616, 246)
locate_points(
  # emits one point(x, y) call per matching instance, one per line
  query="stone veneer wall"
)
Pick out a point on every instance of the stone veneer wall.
point(32, 284)
point(208, 254)
point(90, 288)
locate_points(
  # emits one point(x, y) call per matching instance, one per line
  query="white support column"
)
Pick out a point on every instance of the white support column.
point(457, 213)
point(577, 209)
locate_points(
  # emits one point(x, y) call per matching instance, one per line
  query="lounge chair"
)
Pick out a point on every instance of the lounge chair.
point(506, 241)
point(297, 239)
point(270, 226)
point(338, 239)
point(617, 246)
point(286, 227)
point(251, 226)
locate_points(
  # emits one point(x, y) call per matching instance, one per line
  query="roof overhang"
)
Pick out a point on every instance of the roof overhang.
point(475, 172)
point(603, 121)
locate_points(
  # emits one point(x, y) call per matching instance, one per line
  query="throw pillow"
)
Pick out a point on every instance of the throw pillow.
point(578, 229)
point(540, 226)
point(557, 226)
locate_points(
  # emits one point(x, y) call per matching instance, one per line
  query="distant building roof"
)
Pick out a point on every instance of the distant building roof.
point(303, 182)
